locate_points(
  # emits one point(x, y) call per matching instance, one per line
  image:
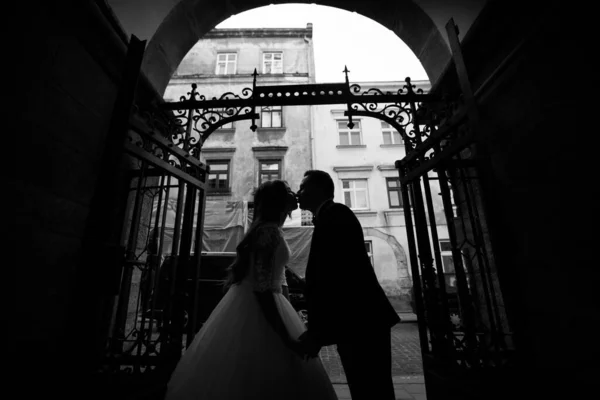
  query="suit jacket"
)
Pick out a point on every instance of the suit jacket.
point(344, 298)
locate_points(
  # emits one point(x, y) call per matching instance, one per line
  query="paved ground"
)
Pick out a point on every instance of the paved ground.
point(406, 355)
point(406, 388)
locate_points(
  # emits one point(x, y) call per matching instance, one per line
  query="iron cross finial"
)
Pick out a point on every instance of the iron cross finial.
point(254, 74)
point(192, 95)
point(346, 72)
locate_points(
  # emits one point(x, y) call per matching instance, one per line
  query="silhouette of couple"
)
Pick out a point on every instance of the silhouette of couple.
point(255, 346)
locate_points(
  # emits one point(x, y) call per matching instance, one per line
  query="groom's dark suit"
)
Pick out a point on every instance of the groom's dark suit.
point(346, 305)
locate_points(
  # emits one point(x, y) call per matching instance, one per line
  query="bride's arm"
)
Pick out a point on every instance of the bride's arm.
point(268, 243)
point(266, 301)
point(285, 290)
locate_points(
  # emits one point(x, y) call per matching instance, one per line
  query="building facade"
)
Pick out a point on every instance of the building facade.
point(223, 61)
point(290, 140)
point(361, 162)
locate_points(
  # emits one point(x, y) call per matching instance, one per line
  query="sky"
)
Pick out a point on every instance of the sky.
point(371, 51)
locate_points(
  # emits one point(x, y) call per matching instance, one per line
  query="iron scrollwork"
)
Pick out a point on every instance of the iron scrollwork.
point(198, 116)
point(446, 130)
point(200, 121)
point(396, 108)
point(154, 137)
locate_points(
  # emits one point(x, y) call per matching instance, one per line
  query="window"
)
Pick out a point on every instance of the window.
point(448, 263)
point(446, 252)
point(218, 178)
point(355, 193)
point(226, 63)
point(269, 170)
point(394, 194)
point(390, 135)
point(369, 248)
point(270, 117)
point(273, 63)
point(306, 218)
point(349, 137)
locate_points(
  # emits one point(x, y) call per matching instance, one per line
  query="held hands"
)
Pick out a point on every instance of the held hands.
point(307, 347)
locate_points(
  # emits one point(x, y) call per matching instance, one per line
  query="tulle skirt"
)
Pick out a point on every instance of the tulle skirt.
point(238, 355)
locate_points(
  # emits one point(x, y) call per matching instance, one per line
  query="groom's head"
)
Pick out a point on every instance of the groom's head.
point(316, 187)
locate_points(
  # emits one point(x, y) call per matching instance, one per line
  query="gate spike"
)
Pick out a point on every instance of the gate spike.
point(253, 126)
point(409, 86)
point(349, 113)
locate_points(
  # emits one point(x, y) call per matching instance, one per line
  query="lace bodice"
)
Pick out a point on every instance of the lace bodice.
point(270, 255)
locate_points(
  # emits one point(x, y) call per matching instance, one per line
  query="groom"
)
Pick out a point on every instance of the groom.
point(345, 303)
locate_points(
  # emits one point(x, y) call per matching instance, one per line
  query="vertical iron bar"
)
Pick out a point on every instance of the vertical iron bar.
point(161, 242)
point(414, 263)
point(179, 301)
point(178, 217)
point(143, 331)
point(180, 304)
point(464, 297)
point(465, 251)
point(155, 263)
point(130, 256)
point(435, 242)
point(174, 266)
point(426, 262)
point(438, 327)
point(486, 269)
point(180, 205)
point(175, 307)
point(145, 293)
point(166, 264)
point(477, 245)
point(438, 257)
point(193, 319)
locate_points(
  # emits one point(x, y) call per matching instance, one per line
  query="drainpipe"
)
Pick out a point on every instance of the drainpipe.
point(311, 80)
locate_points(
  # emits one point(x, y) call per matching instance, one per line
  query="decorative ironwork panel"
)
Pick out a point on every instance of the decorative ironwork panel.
point(467, 327)
point(149, 322)
point(198, 116)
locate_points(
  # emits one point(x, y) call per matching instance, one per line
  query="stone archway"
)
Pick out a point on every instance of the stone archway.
point(397, 248)
point(189, 20)
point(404, 284)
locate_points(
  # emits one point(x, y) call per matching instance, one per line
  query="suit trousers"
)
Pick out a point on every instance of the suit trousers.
point(367, 362)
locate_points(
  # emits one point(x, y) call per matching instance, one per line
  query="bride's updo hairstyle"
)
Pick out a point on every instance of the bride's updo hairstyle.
point(271, 200)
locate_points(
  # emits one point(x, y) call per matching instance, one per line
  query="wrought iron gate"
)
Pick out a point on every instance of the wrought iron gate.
point(462, 331)
point(465, 335)
point(156, 312)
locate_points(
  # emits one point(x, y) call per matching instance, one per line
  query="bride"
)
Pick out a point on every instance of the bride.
point(247, 349)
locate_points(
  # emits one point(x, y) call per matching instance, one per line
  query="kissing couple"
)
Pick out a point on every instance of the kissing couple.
point(254, 345)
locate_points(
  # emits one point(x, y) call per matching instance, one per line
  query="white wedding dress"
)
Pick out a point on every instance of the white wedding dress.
point(238, 355)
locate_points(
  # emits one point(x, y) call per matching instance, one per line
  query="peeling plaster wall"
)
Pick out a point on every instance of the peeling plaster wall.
point(374, 161)
point(241, 145)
